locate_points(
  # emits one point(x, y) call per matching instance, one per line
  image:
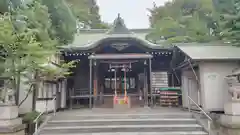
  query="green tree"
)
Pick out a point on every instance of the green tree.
point(229, 21)
point(87, 12)
point(190, 21)
point(26, 46)
point(6, 5)
point(63, 21)
point(172, 31)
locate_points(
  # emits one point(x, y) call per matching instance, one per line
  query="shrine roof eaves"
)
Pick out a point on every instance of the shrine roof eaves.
point(90, 38)
point(210, 51)
point(104, 31)
point(91, 41)
point(120, 56)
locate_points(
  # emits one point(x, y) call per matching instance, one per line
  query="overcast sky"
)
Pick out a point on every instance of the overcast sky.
point(134, 12)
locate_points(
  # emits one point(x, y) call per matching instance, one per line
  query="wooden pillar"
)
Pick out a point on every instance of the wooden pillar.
point(125, 82)
point(95, 85)
point(57, 100)
point(129, 80)
point(138, 87)
point(150, 81)
point(145, 86)
point(70, 97)
point(90, 83)
point(115, 82)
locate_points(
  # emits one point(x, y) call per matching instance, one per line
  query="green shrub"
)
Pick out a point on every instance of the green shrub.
point(31, 116)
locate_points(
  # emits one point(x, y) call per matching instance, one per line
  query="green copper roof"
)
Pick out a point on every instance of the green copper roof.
point(209, 51)
point(91, 38)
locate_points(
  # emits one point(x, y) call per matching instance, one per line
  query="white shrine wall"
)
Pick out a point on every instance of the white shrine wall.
point(41, 104)
point(214, 89)
point(189, 87)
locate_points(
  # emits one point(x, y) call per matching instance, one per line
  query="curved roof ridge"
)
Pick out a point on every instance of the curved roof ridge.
point(119, 27)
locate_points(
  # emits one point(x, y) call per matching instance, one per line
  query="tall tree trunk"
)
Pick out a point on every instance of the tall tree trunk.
point(35, 90)
point(28, 93)
point(18, 81)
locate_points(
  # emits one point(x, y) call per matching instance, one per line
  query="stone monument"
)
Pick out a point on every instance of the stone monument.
point(230, 120)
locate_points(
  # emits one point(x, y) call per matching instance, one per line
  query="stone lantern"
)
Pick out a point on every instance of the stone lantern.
point(230, 120)
point(232, 107)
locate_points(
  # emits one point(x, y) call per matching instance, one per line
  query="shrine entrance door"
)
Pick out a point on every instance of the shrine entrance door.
point(117, 76)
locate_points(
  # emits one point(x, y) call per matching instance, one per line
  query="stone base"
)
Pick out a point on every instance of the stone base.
point(228, 131)
point(232, 108)
point(16, 133)
point(11, 122)
point(12, 129)
point(229, 125)
point(8, 112)
point(230, 121)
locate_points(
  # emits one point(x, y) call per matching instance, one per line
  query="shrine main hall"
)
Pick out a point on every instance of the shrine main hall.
point(117, 66)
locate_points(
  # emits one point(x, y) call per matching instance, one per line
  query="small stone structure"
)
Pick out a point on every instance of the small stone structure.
point(230, 121)
point(10, 123)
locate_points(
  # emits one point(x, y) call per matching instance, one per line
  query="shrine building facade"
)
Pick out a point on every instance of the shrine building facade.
point(116, 63)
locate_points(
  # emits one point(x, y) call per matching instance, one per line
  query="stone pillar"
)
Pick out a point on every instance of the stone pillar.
point(10, 123)
point(230, 121)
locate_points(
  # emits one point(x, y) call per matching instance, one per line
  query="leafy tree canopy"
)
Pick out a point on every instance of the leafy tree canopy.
point(26, 45)
point(87, 12)
point(23, 48)
point(63, 21)
point(183, 21)
point(6, 5)
point(229, 21)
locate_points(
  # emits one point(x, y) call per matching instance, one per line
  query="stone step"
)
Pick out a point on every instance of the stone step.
point(95, 122)
point(121, 116)
point(138, 133)
point(120, 128)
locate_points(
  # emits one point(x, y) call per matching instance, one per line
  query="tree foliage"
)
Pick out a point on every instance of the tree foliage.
point(22, 53)
point(229, 21)
point(27, 43)
point(87, 12)
point(6, 5)
point(183, 21)
point(63, 21)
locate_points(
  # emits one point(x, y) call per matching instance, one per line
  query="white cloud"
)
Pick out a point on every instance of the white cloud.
point(134, 12)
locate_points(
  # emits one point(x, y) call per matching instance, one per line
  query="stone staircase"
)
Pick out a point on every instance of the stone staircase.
point(124, 124)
